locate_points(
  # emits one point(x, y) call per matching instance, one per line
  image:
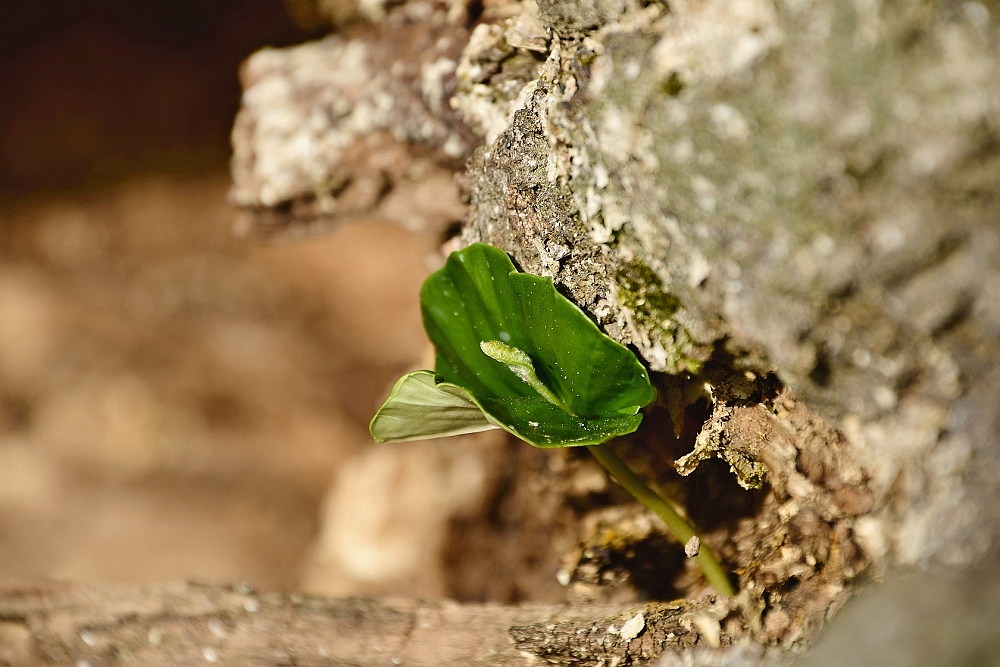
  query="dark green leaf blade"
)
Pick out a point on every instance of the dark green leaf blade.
point(535, 420)
point(479, 296)
point(587, 370)
point(463, 305)
point(418, 407)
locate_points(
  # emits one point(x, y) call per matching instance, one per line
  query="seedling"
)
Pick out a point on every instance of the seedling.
point(513, 353)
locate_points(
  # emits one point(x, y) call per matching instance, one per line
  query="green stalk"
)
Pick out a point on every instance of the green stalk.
point(521, 365)
point(676, 524)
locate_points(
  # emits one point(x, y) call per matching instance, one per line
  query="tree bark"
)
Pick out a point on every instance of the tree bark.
point(46, 623)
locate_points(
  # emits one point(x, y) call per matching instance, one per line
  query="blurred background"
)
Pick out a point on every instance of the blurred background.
point(173, 402)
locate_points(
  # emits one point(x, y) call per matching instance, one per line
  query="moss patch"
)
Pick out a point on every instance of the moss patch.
point(640, 291)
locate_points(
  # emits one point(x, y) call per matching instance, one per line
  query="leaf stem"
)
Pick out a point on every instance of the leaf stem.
point(676, 524)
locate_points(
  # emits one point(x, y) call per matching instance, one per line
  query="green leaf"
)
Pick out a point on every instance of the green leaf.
point(512, 352)
point(418, 408)
point(598, 386)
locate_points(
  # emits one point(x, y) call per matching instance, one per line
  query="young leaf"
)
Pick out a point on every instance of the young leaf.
point(513, 352)
point(480, 298)
point(418, 408)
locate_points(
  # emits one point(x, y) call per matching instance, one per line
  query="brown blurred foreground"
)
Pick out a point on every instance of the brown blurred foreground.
point(173, 403)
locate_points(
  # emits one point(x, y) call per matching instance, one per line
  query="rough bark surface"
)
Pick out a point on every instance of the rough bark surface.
point(45, 623)
point(353, 125)
point(790, 210)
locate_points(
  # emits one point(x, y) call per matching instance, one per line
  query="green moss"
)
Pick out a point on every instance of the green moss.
point(673, 85)
point(641, 291)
